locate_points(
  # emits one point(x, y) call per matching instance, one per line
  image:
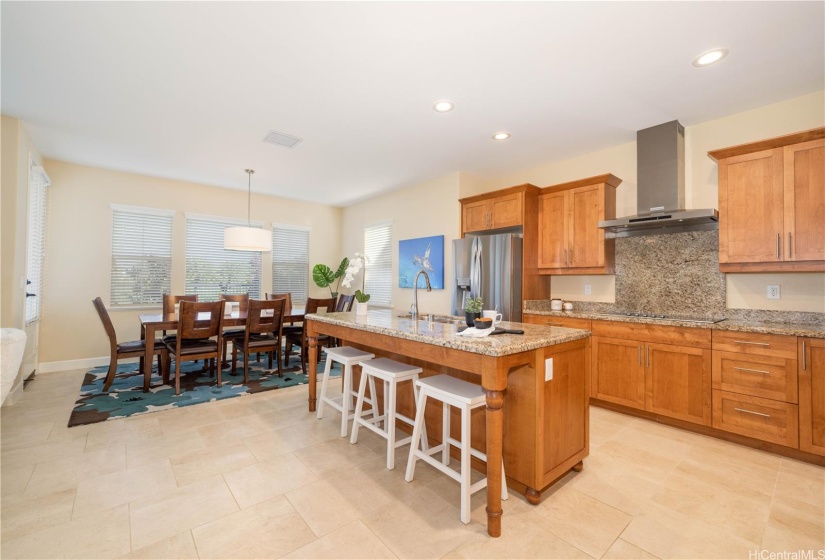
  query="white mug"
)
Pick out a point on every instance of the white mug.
point(492, 314)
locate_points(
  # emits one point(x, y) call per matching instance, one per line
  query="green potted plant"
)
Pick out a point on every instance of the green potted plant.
point(472, 310)
point(324, 276)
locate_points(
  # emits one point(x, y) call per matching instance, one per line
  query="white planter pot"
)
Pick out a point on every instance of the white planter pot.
point(361, 308)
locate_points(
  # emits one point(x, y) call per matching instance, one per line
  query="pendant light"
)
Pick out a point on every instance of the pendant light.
point(247, 238)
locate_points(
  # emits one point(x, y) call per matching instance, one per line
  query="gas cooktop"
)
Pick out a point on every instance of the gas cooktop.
point(661, 317)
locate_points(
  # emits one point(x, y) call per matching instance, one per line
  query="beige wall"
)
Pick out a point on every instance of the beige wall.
point(15, 147)
point(800, 292)
point(430, 208)
point(79, 246)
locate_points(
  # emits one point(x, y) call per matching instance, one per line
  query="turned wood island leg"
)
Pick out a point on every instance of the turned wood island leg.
point(533, 496)
point(495, 429)
point(312, 341)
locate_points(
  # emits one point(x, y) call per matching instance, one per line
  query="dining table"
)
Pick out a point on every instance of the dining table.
point(151, 323)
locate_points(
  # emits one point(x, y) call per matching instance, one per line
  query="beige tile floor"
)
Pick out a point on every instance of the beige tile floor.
point(260, 477)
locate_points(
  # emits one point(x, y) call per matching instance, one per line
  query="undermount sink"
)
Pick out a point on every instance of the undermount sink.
point(446, 319)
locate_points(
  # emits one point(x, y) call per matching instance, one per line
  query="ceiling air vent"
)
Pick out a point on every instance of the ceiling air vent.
point(281, 139)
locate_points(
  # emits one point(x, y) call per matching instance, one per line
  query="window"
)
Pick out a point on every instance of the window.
point(378, 275)
point(290, 262)
point(36, 240)
point(141, 255)
point(212, 270)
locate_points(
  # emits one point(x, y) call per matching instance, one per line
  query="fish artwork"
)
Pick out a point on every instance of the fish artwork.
point(424, 262)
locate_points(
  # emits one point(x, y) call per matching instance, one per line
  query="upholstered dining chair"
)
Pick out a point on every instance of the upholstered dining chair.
point(243, 306)
point(300, 339)
point(121, 350)
point(194, 340)
point(262, 334)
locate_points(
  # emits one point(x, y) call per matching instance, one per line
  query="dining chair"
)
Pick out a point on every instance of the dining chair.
point(299, 338)
point(345, 302)
point(194, 340)
point(131, 349)
point(169, 302)
point(262, 334)
point(285, 327)
point(243, 306)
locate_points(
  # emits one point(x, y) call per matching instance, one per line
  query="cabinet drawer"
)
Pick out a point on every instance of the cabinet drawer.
point(553, 321)
point(755, 417)
point(759, 376)
point(756, 344)
point(662, 334)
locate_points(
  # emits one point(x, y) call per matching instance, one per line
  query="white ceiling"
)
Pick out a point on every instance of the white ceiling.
point(188, 90)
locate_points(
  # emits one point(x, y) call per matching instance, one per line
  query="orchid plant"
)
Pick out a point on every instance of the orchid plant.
point(358, 262)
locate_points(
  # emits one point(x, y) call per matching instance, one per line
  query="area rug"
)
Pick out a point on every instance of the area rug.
point(126, 397)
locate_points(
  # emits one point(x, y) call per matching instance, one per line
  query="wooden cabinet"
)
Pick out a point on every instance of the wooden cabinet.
point(772, 204)
point(650, 367)
point(491, 211)
point(570, 241)
point(755, 386)
point(812, 395)
point(556, 321)
point(618, 374)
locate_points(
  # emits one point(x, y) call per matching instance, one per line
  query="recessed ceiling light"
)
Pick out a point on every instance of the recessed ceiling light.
point(443, 106)
point(707, 58)
point(501, 136)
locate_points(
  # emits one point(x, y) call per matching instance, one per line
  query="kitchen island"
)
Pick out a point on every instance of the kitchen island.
point(536, 384)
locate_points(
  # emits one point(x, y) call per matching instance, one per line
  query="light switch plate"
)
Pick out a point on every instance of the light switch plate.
point(773, 291)
point(548, 369)
point(588, 289)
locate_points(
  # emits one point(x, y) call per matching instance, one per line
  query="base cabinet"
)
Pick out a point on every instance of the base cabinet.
point(665, 379)
point(812, 395)
point(756, 417)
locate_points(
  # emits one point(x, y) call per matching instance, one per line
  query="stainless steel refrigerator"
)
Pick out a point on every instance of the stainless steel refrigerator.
point(489, 266)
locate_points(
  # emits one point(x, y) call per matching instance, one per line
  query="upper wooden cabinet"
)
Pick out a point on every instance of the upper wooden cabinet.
point(496, 210)
point(570, 241)
point(772, 204)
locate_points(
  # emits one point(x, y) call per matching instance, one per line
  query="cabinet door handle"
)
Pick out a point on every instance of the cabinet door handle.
point(752, 370)
point(790, 245)
point(640, 355)
point(648, 355)
point(565, 256)
point(571, 255)
point(753, 343)
point(752, 412)
point(804, 356)
point(778, 245)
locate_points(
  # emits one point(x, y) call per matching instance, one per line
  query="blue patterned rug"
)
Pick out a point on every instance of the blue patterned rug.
point(126, 396)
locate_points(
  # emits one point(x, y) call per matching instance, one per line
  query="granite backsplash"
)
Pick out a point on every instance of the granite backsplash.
point(676, 274)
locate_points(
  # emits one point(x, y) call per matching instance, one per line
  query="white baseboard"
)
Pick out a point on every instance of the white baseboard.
point(83, 363)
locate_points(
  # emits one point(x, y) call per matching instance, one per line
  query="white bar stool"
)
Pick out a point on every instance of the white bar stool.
point(466, 396)
point(347, 356)
point(391, 373)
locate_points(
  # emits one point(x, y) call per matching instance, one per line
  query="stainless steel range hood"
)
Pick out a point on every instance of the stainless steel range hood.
point(660, 195)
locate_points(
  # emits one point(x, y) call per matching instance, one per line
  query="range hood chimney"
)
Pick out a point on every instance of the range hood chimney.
point(660, 194)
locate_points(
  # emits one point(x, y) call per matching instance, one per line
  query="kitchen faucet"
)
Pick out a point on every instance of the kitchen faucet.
point(414, 307)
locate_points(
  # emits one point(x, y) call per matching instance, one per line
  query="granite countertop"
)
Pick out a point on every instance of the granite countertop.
point(389, 323)
point(813, 330)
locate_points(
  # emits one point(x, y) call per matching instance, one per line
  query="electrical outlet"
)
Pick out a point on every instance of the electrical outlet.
point(588, 289)
point(548, 369)
point(773, 291)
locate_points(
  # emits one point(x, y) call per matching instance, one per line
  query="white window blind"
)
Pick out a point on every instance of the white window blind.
point(378, 275)
point(141, 255)
point(36, 241)
point(212, 270)
point(290, 262)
